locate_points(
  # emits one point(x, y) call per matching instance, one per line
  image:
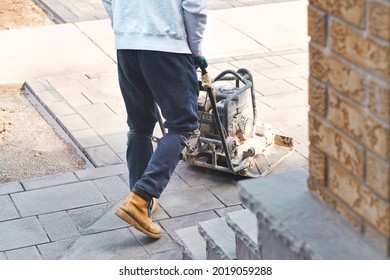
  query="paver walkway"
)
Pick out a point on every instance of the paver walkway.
point(71, 215)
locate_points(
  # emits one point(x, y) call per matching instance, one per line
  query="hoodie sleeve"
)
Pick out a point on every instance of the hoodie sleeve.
point(108, 6)
point(195, 19)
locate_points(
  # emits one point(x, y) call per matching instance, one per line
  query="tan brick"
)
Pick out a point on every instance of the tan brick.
point(367, 53)
point(335, 145)
point(335, 203)
point(350, 10)
point(379, 100)
point(346, 115)
point(317, 165)
point(377, 137)
point(378, 175)
point(317, 96)
point(340, 76)
point(317, 25)
point(374, 210)
point(379, 19)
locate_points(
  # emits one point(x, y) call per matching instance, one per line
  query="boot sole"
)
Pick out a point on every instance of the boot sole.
point(128, 219)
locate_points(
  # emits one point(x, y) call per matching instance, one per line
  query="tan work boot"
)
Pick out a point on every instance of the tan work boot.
point(137, 211)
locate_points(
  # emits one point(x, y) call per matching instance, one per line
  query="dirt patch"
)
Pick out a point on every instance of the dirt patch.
point(21, 13)
point(29, 147)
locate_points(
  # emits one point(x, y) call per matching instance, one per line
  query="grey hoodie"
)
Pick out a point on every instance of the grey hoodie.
point(162, 25)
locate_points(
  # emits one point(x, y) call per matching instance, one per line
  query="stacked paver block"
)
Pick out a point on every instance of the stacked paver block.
point(284, 221)
point(349, 120)
point(231, 237)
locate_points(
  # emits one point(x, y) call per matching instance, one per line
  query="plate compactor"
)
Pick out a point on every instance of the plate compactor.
point(228, 138)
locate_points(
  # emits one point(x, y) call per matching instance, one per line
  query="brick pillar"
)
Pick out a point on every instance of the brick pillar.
point(349, 119)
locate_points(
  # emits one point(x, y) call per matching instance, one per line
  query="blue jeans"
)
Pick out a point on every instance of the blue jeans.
point(170, 80)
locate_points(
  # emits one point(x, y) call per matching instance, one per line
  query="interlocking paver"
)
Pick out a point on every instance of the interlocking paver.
point(102, 156)
point(8, 210)
point(21, 233)
point(11, 187)
point(73, 122)
point(55, 250)
point(117, 142)
point(96, 173)
point(224, 211)
point(49, 181)
point(58, 226)
point(118, 244)
point(193, 200)
point(113, 188)
point(28, 253)
point(95, 111)
point(87, 138)
point(63, 197)
point(227, 193)
point(97, 218)
point(170, 225)
point(165, 243)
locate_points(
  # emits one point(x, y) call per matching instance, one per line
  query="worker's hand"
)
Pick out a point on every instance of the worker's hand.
point(201, 62)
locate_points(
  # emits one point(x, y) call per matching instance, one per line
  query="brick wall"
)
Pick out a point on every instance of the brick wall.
point(349, 119)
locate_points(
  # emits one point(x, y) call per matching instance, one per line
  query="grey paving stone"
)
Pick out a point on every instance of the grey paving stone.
point(285, 100)
point(117, 142)
point(55, 250)
point(58, 226)
point(244, 225)
point(167, 255)
point(42, 201)
point(21, 233)
point(86, 138)
point(227, 193)
point(113, 188)
point(118, 244)
point(73, 122)
point(2, 256)
point(47, 97)
point(253, 63)
point(193, 244)
point(28, 253)
point(286, 71)
point(8, 210)
point(38, 85)
point(49, 181)
point(12, 187)
point(275, 87)
point(219, 238)
point(192, 200)
point(95, 111)
point(96, 173)
point(97, 218)
point(102, 156)
point(176, 182)
point(61, 108)
point(153, 246)
point(224, 211)
point(193, 175)
point(279, 60)
point(171, 225)
point(109, 125)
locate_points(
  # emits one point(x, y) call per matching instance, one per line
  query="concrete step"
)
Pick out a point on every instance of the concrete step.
point(220, 239)
point(295, 224)
point(192, 243)
point(244, 225)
